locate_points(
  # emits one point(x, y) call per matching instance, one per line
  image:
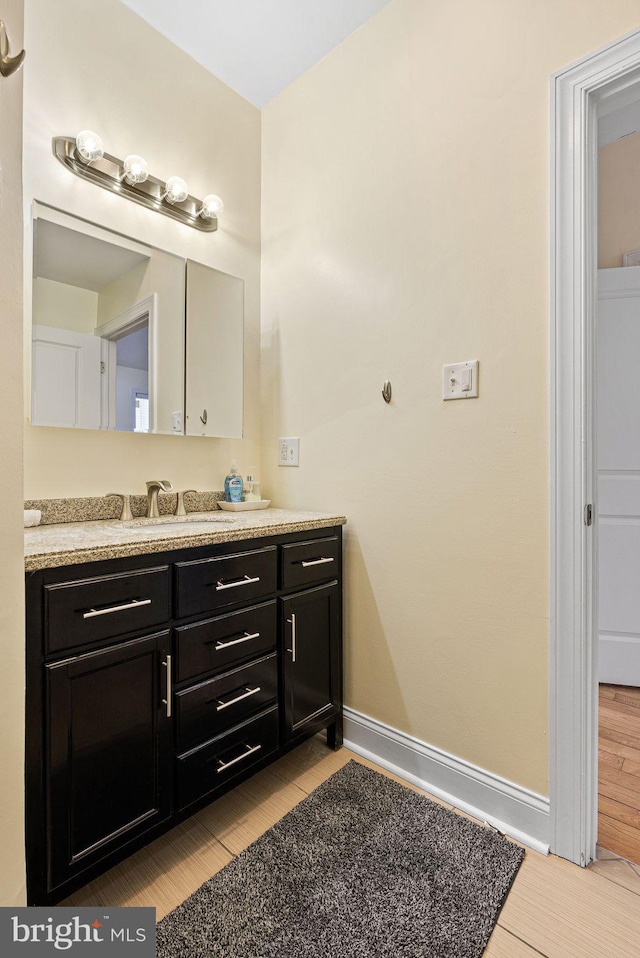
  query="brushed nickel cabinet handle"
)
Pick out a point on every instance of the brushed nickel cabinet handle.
point(224, 766)
point(243, 638)
point(292, 623)
point(245, 695)
point(316, 562)
point(167, 701)
point(245, 580)
point(135, 604)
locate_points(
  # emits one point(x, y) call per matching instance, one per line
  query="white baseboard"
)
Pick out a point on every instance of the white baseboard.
point(512, 809)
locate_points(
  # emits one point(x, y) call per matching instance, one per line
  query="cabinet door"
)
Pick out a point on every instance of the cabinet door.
point(311, 631)
point(109, 774)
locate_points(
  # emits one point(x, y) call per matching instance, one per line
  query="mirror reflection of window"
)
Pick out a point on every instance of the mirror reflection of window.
point(141, 412)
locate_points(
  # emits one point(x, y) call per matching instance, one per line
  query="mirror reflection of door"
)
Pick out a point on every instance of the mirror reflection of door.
point(65, 378)
point(75, 279)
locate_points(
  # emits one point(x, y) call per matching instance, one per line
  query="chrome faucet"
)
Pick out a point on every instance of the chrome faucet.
point(153, 488)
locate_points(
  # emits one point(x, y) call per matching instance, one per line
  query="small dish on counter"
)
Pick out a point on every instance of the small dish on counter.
point(243, 506)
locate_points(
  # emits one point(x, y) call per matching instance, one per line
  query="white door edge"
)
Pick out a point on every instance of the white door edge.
point(576, 94)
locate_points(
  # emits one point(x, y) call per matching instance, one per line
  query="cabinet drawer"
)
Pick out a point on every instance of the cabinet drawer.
point(210, 708)
point(218, 644)
point(208, 768)
point(89, 610)
point(209, 584)
point(304, 563)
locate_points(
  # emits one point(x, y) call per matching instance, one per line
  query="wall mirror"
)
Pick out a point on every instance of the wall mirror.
point(131, 338)
point(215, 349)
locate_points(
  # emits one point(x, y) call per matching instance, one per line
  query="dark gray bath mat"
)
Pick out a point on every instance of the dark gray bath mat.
point(362, 868)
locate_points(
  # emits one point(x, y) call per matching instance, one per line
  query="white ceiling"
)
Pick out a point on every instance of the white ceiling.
point(257, 47)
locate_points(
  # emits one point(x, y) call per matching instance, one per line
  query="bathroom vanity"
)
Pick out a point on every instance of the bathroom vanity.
point(162, 673)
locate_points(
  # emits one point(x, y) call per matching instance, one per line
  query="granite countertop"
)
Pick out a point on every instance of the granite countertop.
point(70, 543)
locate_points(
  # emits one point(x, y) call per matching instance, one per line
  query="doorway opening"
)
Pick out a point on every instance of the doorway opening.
point(583, 94)
point(132, 379)
point(127, 361)
point(618, 482)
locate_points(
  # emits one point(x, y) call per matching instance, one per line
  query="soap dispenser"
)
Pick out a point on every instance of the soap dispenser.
point(233, 484)
point(251, 494)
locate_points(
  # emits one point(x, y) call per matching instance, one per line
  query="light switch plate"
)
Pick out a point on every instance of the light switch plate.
point(460, 380)
point(289, 451)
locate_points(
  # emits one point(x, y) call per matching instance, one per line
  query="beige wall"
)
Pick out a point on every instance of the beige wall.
point(618, 200)
point(98, 66)
point(63, 306)
point(129, 289)
point(406, 225)
point(12, 872)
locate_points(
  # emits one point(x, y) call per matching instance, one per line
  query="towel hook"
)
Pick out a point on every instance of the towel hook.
point(386, 391)
point(8, 64)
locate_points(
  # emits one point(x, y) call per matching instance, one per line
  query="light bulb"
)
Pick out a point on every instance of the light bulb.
point(134, 169)
point(212, 206)
point(89, 146)
point(176, 190)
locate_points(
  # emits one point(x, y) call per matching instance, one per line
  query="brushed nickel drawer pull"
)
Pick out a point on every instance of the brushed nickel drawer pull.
point(245, 695)
point(244, 638)
point(223, 767)
point(245, 580)
point(134, 604)
point(316, 562)
point(167, 701)
point(292, 623)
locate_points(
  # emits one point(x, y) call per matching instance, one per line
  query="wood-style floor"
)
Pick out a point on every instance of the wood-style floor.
point(554, 910)
point(619, 771)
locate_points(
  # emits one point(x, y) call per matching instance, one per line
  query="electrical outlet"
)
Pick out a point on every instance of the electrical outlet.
point(289, 451)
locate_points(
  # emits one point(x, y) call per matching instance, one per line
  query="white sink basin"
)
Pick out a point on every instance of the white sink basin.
point(185, 525)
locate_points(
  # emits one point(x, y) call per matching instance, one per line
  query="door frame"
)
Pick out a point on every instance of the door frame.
point(133, 318)
point(578, 93)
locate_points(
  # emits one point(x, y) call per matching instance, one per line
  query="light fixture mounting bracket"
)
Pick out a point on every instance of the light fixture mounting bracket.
point(107, 173)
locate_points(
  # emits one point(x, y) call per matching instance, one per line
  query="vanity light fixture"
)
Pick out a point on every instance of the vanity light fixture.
point(84, 155)
point(176, 190)
point(89, 146)
point(134, 169)
point(212, 206)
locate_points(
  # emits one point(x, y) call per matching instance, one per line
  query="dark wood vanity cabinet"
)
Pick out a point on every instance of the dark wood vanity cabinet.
point(157, 683)
point(310, 625)
point(108, 751)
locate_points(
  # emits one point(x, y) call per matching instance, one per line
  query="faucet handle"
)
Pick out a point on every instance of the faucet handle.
point(180, 509)
point(126, 505)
